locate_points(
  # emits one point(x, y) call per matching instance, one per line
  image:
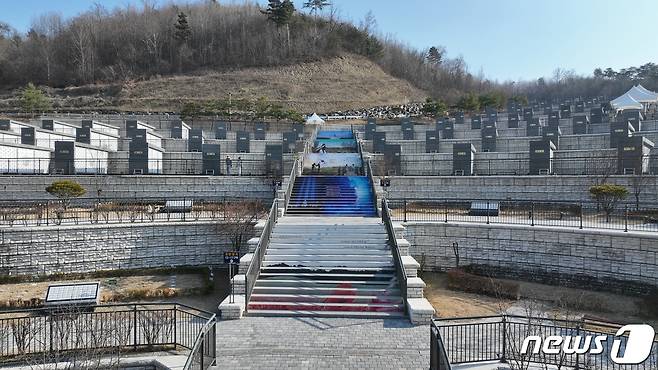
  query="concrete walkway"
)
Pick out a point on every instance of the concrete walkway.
point(321, 343)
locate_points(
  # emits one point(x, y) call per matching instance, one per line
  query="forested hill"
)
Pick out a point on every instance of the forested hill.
point(142, 42)
point(112, 52)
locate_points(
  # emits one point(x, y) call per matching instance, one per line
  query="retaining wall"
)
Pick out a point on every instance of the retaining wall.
point(86, 248)
point(30, 187)
point(539, 188)
point(605, 259)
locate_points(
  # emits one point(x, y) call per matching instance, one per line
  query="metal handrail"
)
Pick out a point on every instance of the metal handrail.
point(367, 168)
point(200, 345)
point(494, 338)
point(259, 253)
point(298, 166)
point(178, 322)
point(291, 182)
point(439, 359)
point(395, 250)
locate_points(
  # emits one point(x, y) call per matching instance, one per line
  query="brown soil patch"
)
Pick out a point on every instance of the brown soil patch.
point(112, 289)
point(556, 300)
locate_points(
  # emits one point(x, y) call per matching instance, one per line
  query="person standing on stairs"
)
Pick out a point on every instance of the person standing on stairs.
point(229, 164)
point(239, 166)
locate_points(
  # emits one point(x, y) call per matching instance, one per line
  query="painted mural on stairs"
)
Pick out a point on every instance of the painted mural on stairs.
point(329, 254)
point(332, 182)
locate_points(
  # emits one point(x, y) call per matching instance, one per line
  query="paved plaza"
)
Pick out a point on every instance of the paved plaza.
point(321, 343)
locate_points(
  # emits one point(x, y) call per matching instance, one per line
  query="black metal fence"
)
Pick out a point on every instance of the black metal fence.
point(582, 215)
point(425, 165)
point(501, 338)
point(247, 165)
point(105, 332)
point(138, 210)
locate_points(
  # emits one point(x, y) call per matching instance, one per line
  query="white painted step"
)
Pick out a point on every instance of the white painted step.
point(347, 314)
point(323, 250)
point(328, 264)
point(305, 282)
point(374, 306)
point(265, 297)
point(325, 291)
point(329, 257)
point(328, 244)
point(273, 269)
point(319, 275)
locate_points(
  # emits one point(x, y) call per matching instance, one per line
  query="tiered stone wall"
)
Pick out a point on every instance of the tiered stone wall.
point(85, 248)
point(607, 259)
point(141, 186)
point(539, 188)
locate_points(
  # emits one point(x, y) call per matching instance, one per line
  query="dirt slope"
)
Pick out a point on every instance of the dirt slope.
point(342, 83)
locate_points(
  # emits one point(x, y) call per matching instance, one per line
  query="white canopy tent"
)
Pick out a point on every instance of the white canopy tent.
point(641, 96)
point(314, 119)
point(626, 102)
point(646, 91)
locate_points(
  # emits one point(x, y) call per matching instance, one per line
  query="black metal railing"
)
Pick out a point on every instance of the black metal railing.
point(249, 166)
point(138, 210)
point(428, 165)
point(203, 353)
point(395, 251)
point(259, 253)
point(47, 334)
point(581, 215)
point(501, 338)
point(438, 355)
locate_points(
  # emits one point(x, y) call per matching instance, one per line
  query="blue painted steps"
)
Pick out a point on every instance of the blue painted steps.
point(332, 195)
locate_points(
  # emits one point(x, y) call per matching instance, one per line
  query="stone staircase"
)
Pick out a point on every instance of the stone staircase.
point(332, 195)
point(328, 266)
point(328, 253)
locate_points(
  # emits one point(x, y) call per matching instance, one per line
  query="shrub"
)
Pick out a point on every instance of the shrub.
point(458, 279)
point(66, 190)
point(607, 196)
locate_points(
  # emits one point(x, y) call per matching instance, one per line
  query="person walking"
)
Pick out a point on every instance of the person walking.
point(239, 166)
point(229, 164)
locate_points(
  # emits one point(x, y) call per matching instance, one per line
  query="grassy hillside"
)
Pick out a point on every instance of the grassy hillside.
point(341, 83)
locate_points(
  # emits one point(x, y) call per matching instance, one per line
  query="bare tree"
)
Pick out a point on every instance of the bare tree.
point(239, 220)
point(639, 182)
point(455, 251)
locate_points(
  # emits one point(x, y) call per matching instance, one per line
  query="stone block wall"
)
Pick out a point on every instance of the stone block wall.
point(603, 258)
point(547, 188)
point(142, 186)
point(85, 248)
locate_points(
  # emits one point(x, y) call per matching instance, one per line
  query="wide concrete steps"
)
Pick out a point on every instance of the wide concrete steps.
point(327, 267)
point(333, 298)
point(333, 313)
point(323, 250)
point(325, 263)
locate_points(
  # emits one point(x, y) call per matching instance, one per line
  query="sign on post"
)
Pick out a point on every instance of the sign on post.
point(232, 257)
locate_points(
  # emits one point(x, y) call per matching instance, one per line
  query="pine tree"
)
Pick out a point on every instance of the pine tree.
point(183, 31)
point(316, 6)
point(33, 100)
point(280, 12)
point(435, 55)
